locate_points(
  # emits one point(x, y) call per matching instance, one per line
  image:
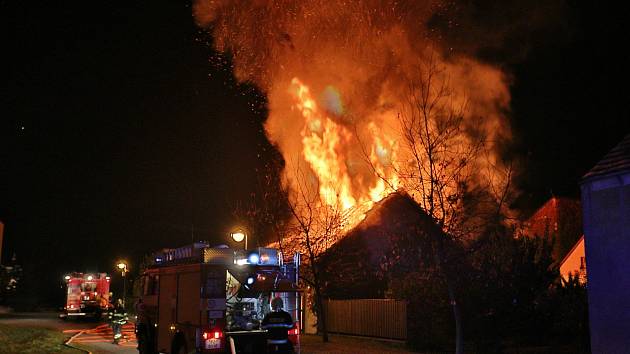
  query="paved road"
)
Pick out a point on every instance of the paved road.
point(98, 340)
point(95, 337)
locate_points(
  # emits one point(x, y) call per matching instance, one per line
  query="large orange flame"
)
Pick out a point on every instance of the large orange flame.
point(322, 141)
point(337, 76)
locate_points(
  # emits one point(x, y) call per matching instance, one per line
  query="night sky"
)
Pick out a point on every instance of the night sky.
point(118, 135)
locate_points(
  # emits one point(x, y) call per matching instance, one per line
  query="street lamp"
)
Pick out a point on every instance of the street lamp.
point(239, 235)
point(123, 267)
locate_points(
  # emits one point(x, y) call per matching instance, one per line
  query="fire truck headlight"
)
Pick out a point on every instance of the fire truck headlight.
point(253, 258)
point(250, 280)
point(89, 278)
point(67, 277)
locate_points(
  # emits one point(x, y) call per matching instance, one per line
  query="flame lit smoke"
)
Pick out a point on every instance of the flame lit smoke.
point(337, 75)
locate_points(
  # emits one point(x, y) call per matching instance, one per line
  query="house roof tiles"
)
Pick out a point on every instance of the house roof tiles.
point(617, 160)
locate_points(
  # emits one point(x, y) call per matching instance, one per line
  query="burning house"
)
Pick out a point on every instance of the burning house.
point(343, 79)
point(364, 100)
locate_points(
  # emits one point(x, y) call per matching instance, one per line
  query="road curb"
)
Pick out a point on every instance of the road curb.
point(68, 343)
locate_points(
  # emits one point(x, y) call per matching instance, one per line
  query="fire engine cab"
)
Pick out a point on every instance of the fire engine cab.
point(206, 299)
point(87, 295)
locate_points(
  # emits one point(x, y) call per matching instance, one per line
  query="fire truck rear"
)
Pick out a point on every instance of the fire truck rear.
point(212, 299)
point(87, 295)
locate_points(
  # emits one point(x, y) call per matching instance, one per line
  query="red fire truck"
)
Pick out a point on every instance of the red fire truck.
point(206, 299)
point(87, 295)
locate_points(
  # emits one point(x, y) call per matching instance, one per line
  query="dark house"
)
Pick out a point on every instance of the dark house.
point(388, 241)
point(606, 216)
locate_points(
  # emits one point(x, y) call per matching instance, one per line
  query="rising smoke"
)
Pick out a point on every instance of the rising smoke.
point(337, 73)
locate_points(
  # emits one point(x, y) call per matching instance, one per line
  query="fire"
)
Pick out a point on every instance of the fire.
point(322, 139)
point(383, 158)
point(337, 77)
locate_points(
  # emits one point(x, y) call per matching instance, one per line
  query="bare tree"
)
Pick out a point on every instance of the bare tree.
point(299, 220)
point(316, 226)
point(449, 172)
point(452, 177)
point(431, 127)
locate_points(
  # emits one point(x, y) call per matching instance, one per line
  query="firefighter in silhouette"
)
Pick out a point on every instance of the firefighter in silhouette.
point(118, 317)
point(278, 323)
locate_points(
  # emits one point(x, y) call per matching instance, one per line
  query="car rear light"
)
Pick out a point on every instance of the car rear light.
point(295, 330)
point(213, 339)
point(216, 334)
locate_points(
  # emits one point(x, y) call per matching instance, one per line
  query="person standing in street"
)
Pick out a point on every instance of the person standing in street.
point(118, 317)
point(278, 323)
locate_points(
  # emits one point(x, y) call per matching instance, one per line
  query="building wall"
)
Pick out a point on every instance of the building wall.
point(574, 263)
point(606, 217)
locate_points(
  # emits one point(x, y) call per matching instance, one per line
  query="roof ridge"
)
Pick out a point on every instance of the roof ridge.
point(616, 160)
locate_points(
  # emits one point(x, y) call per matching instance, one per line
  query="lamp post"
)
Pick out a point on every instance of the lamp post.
point(239, 235)
point(122, 266)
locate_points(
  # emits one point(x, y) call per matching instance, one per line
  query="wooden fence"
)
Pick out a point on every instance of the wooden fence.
point(380, 318)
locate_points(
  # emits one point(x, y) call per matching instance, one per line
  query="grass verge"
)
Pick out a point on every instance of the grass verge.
point(35, 340)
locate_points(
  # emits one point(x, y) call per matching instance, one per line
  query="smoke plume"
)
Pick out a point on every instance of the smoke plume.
point(337, 74)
